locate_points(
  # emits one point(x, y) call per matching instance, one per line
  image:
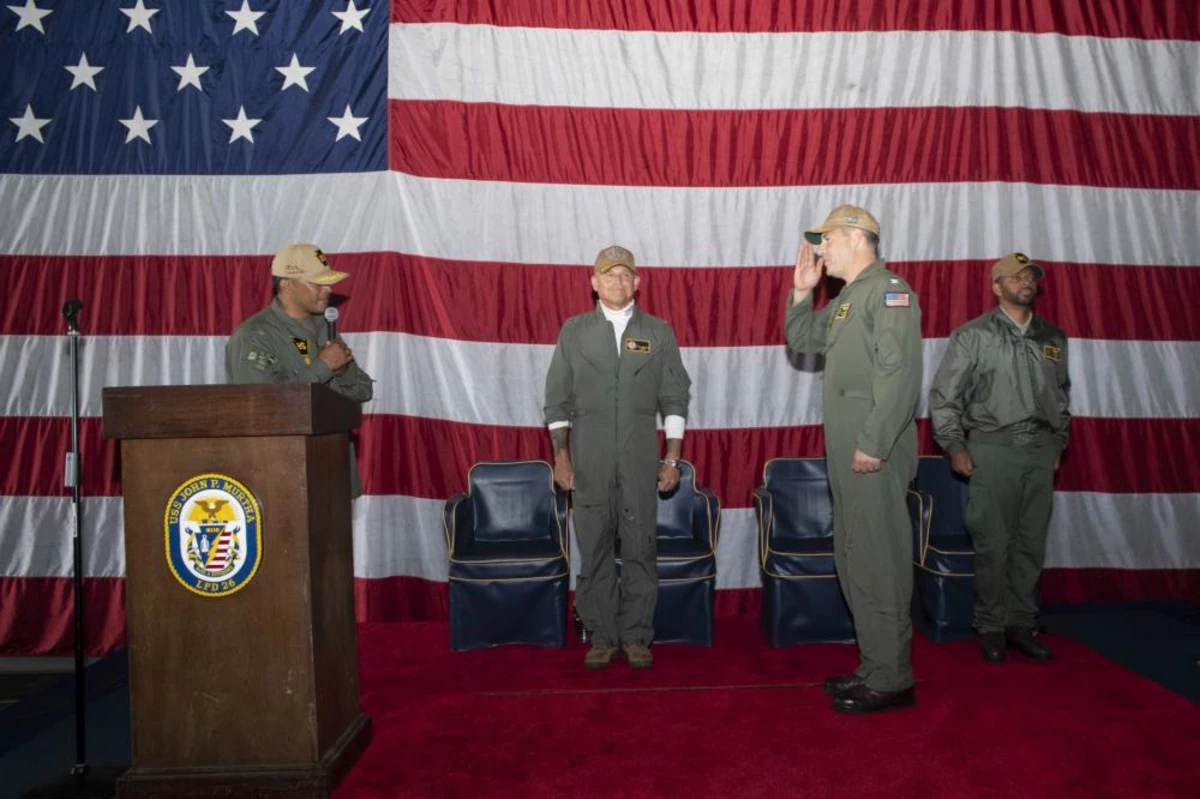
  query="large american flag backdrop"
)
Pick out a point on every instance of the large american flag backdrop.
point(465, 161)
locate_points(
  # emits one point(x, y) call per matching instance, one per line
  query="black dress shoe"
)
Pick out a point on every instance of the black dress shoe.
point(838, 684)
point(861, 699)
point(1026, 641)
point(991, 647)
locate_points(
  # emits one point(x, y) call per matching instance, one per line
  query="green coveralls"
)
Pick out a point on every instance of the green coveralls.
point(611, 401)
point(272, 347)
point(871, 337)
point(1002, 395)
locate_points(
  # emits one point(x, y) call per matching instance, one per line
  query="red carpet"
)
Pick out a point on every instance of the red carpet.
point(745, 720)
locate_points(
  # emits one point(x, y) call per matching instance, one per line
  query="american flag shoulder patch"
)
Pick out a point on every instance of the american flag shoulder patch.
point(895, 299)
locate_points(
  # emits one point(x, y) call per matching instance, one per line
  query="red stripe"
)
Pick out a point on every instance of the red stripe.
point(36, 447)
point(527, 303)
point(35, 612)
point(422, 457)
point(636, 147)
point(429, 458)
point(1118, 585)
point(1147, 19)
point(36, 615)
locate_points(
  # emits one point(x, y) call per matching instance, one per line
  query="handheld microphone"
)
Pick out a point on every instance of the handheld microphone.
point(331, 317)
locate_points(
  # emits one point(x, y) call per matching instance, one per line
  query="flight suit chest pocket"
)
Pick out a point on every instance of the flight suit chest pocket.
point(842, 315)
point(842, 312)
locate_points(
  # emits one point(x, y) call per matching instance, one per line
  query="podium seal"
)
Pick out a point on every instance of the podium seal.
point(213, 535)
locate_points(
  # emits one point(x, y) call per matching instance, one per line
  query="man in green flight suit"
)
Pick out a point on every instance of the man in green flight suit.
point(613, 371)
point(871, 337)
point(999, 407)
point(288, 341)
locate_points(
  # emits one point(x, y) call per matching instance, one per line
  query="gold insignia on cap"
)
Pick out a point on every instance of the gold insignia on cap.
point(1022, 258)
point(321, 257)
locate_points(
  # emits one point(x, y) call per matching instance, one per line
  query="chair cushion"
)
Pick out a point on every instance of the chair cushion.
point(818, 563)
point(957, 560)
point(491, 560)
point(686, 563)
point(682, 548)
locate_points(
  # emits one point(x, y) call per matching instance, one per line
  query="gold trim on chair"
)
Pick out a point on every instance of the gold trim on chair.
point(926, 521)
point(507, 579)
point(681, 580)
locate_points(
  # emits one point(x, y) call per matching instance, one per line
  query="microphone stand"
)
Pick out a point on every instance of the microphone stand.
point(82, 780)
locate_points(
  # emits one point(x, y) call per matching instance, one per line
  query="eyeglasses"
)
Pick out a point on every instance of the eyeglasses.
point(1023, 277)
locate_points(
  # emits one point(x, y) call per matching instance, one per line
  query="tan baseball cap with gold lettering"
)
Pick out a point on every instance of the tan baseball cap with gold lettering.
point(844, 216)
point(1014, 264)
point(305, 262)
point(613, 256)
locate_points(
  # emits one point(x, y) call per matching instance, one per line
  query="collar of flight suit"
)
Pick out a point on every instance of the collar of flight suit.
point(1011, 324)
point(304, 328)
point(876, 266)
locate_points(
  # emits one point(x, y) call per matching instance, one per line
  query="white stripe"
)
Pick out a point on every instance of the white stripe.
point(567, 224)
point(1124, 531)
point(37, 539)
point(397, 535)
point(402, 536)
point(684, 70)
point(503, 384)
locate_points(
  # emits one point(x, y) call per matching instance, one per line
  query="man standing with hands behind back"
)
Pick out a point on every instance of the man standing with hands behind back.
point(871, 337)
point(613, 371)
point(999, 407)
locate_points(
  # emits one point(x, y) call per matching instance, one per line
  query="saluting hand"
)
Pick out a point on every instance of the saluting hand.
point(809, 268)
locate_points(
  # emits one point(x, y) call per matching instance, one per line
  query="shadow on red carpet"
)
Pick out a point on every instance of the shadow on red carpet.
point(742, 719)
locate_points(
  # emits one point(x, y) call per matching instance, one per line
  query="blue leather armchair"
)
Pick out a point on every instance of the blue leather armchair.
point(508, 547)
point(943, 556)
point(801, 601)
point(689, 522)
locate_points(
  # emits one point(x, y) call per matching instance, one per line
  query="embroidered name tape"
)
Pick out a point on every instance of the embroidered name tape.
point(637, 345)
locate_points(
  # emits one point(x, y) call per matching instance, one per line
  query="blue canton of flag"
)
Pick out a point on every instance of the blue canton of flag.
point(227, 87)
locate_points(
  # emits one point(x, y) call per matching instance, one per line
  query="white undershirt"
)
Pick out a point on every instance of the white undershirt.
point(673, 425)
point(1024, 328)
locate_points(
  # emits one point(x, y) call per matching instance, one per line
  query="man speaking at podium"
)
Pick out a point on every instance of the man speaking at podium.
point(292, 341)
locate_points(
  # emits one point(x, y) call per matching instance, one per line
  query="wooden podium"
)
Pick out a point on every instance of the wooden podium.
point(243, 665)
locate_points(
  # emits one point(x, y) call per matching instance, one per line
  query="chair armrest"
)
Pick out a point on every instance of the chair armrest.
point(763, 512)
point(706, 517)
point(920, 514)
point(456, 521)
